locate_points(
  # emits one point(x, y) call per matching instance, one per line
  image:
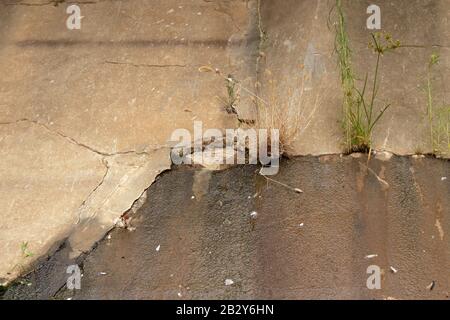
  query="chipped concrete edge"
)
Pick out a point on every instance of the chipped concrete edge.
point(127, 177)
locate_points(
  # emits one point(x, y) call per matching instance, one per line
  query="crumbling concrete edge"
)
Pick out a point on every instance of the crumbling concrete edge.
point(128, 174)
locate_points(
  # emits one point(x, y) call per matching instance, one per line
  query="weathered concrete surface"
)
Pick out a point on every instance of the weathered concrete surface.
point(405, 128)
point(90, 111)
point(298, 71)
point(81, 198)
point(310, 245)
point(43, 181)
point(300, 49)
point(86, 114)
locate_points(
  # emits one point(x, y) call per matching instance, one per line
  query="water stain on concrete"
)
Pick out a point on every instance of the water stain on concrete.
point(318, 244)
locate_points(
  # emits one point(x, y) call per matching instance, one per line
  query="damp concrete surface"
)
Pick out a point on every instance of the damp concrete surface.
point(233, 234)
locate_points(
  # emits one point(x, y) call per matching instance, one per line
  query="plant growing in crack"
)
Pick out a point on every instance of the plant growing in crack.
point(286, 113)
point(26, 253)
point(438, 117)
point(361, 115)
point(285, 116)
point(359, 105)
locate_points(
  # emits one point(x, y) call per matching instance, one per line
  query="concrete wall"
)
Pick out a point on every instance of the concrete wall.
point(319, 244)
point(85, 115)
point(300, 43)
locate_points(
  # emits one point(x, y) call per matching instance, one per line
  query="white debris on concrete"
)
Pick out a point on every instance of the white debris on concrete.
point(229, 282)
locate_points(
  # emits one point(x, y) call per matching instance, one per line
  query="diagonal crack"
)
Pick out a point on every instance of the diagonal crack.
point(75, 142)
point(80, 144)
point(105, 163)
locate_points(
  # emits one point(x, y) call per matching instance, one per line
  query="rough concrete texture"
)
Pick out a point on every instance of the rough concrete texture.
point(319, 244)
point(299, 53)
point(86, 114)
point(44, 179)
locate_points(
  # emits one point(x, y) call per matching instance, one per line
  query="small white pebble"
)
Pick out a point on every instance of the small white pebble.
point(109, 237)
point(301, 224)
point(103, 273)
point(254, 215)
point(158, 247)
point(443, 178)
point(370, 256)
point(193, 197)
point(69, 298)
point(170, 11)
point(393, 270)
point(229, 282)
point(179, 294)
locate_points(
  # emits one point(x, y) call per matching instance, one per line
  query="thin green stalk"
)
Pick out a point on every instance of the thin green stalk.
point(374, 89)
point(430, 107)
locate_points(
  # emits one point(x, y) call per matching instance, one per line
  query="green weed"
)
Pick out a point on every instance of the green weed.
point(26, 253)
point(360, 117)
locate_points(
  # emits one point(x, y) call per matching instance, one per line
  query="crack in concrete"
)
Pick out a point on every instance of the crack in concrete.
point(85, 146)
point(54, 3)
point(103, 154)
point(383, 182)
point(136, 65)
point(105, 163)
point(36, 4)
point(440, 46)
